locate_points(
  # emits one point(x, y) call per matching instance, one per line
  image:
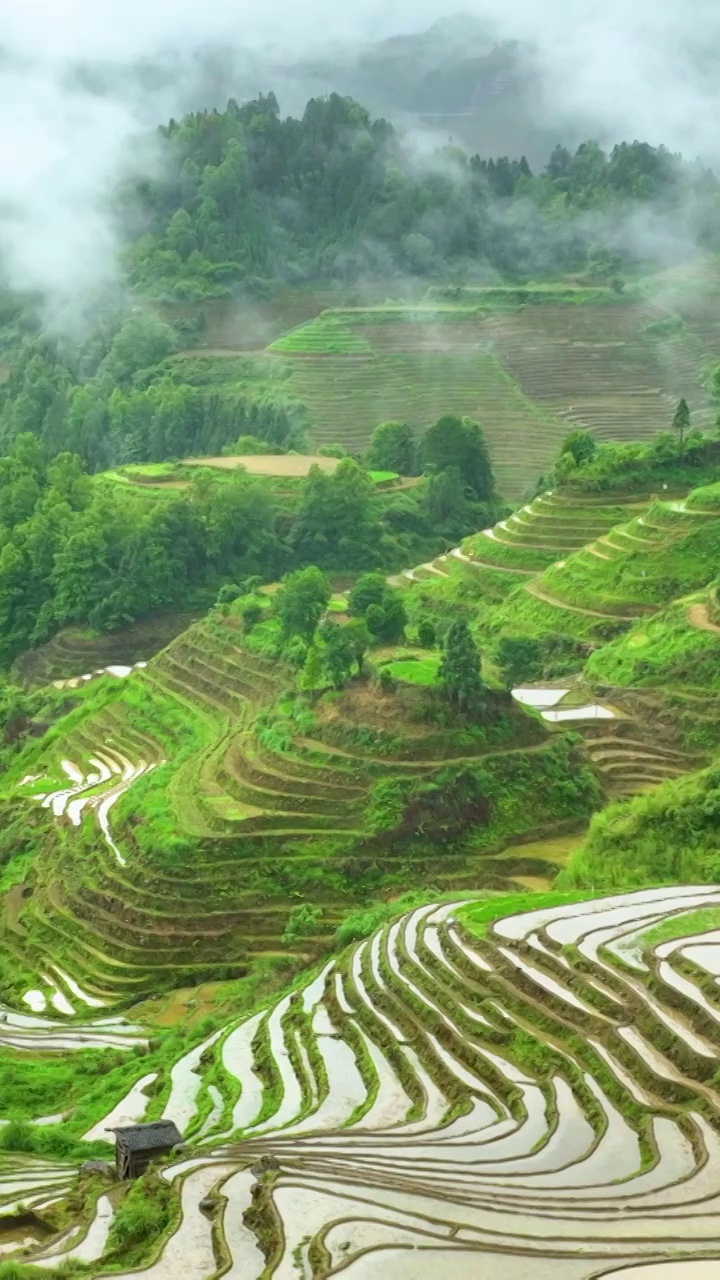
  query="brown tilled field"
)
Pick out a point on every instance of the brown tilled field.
point(292, 464)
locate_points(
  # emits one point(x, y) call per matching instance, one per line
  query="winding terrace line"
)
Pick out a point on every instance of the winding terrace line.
point(542, 595)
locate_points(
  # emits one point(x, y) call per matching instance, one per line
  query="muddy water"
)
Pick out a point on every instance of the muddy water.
point(248, 1262)
point(593, 711)
point(468, 1264)
point(35, 1001)
point(184, 1085)
point(543, 979)
point(92, 1246)
point(346, 1090)
point(291, 1102)
point(534, 696)
point(519, 926)
point(91, 1001)
point(304, 1211)
point(391, 1104)
point(705, 955)
point(237, 1057)
point(707, 1269)
point(189, 1252)
point(129, 1110)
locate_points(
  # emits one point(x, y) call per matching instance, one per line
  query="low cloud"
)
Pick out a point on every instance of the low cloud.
point(82, 80)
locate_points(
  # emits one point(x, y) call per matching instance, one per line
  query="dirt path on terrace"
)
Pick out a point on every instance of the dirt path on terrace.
point(14, 899)
point(501, 568)
point(697, 616)
point(320, 748)
point(534, 590)
point(488, 564)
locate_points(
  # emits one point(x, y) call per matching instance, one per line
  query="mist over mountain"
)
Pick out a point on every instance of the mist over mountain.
point(84, 87)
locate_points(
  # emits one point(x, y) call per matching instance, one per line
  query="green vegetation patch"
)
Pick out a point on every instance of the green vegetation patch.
point(670, 835)
point(420, 671)
point(326, 335)
point(510, 296)
point(684, 925)
point(478, 917)
point(665, 650)
point(704, 498)
point(664, 555)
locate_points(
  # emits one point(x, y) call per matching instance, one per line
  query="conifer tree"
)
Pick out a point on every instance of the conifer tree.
point(681, 421)
point(459, 673)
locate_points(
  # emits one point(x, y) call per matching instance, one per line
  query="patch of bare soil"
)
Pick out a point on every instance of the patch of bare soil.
point(269, 464)
point(365, 704)
point(697, 615)
point(14, 899)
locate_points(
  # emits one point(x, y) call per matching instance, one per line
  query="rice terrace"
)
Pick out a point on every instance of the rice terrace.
point(360, 704)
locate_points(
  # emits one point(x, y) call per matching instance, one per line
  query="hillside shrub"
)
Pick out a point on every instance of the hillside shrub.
point(665, 461)
point(231, 591)
point(392, 448)
point(669, 835)
point(251, 615)
point(301, 923)
point(251, 446)
point(519, 659)
point(426, 633)
point(704, 498)
point(380, 606)
point(142, 1216)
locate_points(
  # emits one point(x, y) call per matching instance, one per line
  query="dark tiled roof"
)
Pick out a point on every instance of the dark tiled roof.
point(148, 1137)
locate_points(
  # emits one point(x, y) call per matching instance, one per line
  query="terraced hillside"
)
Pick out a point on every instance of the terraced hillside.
point(628, 573)
point(532, 539)
point(553, 525)
point(526, 372)
point(473, 1088)
point(186, 808)
point(642, 691)
point(616, 371)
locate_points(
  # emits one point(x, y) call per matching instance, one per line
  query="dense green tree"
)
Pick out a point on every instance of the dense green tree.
point(311, 676)
point(358, 637)
point(448, 507)
point(580, 445)
point(386, 621)
point(426, 633)
point(142, 341)
point(681, 421)
point(300, 603)
point(459, 672)
point(248, 195)
point(338, 653)
point(392, 448)
point(343, 647)
point(520, 659)
point(82, 576)
point(337, 526)
point(369, 589)
point(458, 444)
point(380, 606)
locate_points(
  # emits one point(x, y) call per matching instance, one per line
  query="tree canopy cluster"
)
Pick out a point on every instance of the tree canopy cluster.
point(247, 197)
point(119, 397)
point(678, 457)
point(84, 550)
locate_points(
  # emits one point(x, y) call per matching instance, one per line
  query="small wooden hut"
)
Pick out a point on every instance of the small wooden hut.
point(137, 1144)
